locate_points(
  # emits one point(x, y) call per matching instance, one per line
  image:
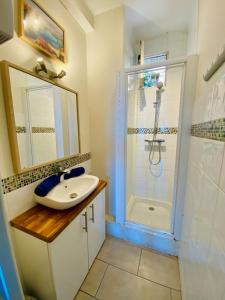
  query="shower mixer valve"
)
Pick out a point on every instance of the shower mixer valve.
point(154, 140)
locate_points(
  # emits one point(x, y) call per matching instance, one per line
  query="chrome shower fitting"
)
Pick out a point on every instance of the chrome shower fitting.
point(156, 142)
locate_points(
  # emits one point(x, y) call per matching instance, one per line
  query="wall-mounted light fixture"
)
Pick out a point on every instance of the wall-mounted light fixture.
point(59, 76)
point(42, 70)
point(40, 66)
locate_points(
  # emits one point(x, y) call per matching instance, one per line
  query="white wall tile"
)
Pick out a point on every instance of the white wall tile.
point(219, 228)
point(218, 102)
point(211, 158)
point(206, 194)
point(203, 108)
point(20, 200)
point(202, 252)
point(195, 150)
point(216, 269)
point(222, 178)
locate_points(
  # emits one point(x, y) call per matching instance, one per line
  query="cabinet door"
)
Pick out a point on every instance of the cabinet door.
point(68, 254)
point(96, 226)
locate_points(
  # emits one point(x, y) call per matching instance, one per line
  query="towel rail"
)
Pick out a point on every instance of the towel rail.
point(215, 65)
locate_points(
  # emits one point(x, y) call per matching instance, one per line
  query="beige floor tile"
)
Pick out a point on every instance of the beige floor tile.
point(94, 277)
point(160, 268)
point(121, 285)
point(175, 295)
point(121, 254)
point(83, 296)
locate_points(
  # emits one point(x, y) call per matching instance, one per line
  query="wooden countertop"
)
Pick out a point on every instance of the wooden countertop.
point(47, 223)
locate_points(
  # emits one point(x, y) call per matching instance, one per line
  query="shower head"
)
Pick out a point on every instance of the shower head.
point(160, 89)
point(159, 92)
point(160, 85)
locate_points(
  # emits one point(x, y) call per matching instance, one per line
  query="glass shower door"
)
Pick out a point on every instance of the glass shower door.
point(152, 146)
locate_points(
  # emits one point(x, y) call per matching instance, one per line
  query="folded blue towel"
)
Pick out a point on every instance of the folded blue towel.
point(47, 185)
point(75, 173)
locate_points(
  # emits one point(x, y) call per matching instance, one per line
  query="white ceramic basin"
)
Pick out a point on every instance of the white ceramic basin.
point(70, 192)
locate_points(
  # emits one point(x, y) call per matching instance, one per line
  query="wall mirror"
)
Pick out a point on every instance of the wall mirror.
point(42, 118)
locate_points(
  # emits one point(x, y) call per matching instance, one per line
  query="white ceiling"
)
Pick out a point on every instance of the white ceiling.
point(99, 6)
point(149, 17)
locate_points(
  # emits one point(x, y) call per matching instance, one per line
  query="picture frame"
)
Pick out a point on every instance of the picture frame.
point(40, 30)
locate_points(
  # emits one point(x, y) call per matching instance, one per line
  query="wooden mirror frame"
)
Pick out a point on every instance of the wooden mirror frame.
point(7, 94)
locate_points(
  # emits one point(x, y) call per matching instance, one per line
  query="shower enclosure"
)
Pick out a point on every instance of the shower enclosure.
point(152, 145)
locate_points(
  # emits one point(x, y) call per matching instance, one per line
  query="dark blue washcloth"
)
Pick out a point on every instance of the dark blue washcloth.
point(47, 185)
point(74, 173)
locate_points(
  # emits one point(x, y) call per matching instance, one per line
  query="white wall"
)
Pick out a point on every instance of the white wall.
point(175, 43)
point(129, 40)
point(105, 60)
point(192, 40)
point(202, 254)
point(210, 40)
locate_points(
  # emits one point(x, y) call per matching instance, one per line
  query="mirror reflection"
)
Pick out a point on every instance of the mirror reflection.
point(46, 121)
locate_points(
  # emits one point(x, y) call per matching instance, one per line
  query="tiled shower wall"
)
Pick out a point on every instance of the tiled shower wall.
point(202, 255)
point(156, 183)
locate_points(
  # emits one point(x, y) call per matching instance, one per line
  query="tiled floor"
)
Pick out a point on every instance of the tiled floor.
point(126, 272)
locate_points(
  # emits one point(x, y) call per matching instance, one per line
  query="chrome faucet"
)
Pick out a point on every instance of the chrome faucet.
point(63, 171)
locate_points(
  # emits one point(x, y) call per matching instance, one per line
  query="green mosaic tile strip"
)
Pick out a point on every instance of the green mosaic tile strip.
point(43, 130)
point(165, 130)
point(15, 182)
point(213, 130)
point(21, 129)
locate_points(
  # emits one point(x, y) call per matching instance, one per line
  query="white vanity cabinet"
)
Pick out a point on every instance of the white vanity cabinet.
point(68, 257)
point(96, 226)
point(55, 270)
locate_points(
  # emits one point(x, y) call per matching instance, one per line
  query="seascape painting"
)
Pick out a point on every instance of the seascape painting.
point(41, 31)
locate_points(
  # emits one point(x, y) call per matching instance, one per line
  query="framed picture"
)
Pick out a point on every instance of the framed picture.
point(40, 30)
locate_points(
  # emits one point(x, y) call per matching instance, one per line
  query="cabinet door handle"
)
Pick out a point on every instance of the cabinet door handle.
point(86, 225)
point(93, 213)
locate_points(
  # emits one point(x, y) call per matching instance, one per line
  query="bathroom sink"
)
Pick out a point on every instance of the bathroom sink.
point(70, 192)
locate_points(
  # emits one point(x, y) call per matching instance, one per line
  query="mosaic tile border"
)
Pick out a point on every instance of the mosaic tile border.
point(213, 130)
point(15, 182)
point(23, 129)
point(165, 130)
point(43, 130)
